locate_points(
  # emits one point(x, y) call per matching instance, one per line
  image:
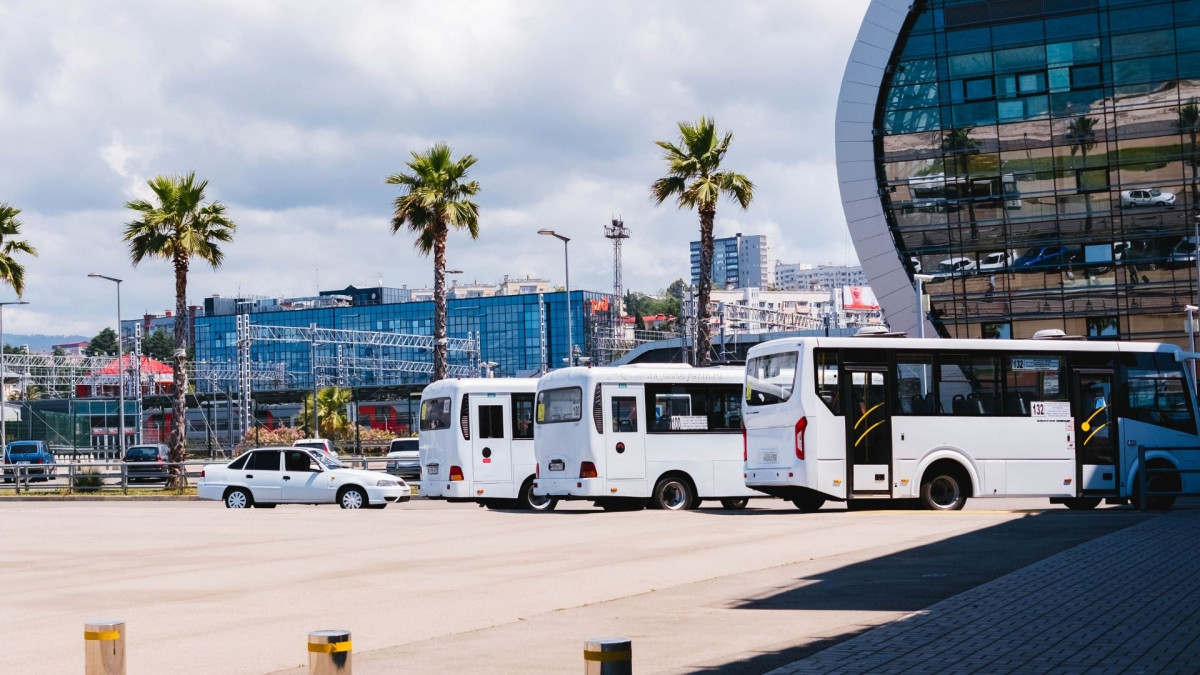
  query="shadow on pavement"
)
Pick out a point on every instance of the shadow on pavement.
point(913, 579)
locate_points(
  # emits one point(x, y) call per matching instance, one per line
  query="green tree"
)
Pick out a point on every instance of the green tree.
point(1081, 134)
point(434, 197)
point(178, 226)
point(1189, 123)
point(331, 408)
point(103, 344)
point(676, 289)
point(11, 271)
point(58, 351)
point(959, 144)
point(159, 346)
point(694, 177)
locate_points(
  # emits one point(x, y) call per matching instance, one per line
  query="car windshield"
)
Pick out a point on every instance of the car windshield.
point(330, 462)
point(23, 448)
point(1155, 193)
point(141, 454)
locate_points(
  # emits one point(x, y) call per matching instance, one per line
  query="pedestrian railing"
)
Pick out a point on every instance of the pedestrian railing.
point(1148, 487)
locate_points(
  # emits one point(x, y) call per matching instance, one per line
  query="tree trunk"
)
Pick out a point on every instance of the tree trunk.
point(180, 381)
point(703, 339)
point(440, 351)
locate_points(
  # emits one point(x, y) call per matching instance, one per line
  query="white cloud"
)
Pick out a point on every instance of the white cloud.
point(297, 112)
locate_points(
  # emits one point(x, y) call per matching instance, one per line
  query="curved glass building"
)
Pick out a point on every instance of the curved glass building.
point(1039, 158)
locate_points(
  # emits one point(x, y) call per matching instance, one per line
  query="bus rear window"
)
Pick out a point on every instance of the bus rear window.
point(435, 414)
point(560, 405)
point(770, 379)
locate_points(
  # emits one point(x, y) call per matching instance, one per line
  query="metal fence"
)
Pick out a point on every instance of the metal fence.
point(93, 476)
point(1161, 481)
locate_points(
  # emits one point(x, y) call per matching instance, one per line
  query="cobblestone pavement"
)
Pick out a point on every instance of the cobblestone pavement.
point(1128, 602)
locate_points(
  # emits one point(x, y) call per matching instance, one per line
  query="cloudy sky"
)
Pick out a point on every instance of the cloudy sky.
point(296, 112)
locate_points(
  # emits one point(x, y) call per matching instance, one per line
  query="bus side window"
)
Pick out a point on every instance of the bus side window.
point(624, 414)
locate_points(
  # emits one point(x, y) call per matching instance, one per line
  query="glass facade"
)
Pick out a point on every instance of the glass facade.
point(1040, 159)
point(509, 328)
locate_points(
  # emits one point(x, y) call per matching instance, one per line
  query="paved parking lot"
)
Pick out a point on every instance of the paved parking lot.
point(430, 587)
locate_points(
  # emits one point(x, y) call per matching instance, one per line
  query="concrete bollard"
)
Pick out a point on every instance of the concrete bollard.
point(608, 656)
point(104, 648)
point(329, 652)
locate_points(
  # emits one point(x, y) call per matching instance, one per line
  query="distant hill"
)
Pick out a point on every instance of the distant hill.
point(41, 343)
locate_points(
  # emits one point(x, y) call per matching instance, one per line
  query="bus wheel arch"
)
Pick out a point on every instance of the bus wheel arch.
point(531, 502)
point(1168, 481)
point(945, 485)
point(675, 491)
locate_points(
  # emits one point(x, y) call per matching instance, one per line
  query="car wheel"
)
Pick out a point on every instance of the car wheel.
point(532, 502)
point(809, 502)
point(1082, 503)
point(674, 493)
point(735, 504)
point(238, 499)
point(353, 498)
point(943, 491)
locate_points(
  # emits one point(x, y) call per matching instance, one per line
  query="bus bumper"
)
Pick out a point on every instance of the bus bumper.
point(458, 489)
point(585, 488)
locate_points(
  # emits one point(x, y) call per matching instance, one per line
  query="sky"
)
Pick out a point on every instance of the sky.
point(297, 112)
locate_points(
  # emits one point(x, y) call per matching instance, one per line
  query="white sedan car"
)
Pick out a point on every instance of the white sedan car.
point(265, 477)
point(1150, 197)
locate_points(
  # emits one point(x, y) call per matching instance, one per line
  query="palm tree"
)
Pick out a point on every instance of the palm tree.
point(695, 178)
point(11, 271)
point(958, 142)
point(1081, 134)
point(179, 226)
point(1189, 122)
point(331, 408)
point(433, 198)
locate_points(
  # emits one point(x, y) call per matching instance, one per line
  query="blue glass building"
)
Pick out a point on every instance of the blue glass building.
point(509, 327)
point(1038, 157)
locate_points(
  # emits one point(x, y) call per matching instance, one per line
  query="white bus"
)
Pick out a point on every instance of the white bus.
point(476, 442)
point(622, 436)
point(944, 420)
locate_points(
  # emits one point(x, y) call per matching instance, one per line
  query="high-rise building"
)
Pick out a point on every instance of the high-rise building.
point(738, 262)
point(1037, 157)
point(805, 276)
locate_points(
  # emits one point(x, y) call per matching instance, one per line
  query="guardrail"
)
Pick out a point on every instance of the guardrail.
point(1146, 474)
point(95, 475)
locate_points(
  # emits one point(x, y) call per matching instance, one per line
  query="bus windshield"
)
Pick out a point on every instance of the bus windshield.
point(560, 405)
point(770, 379)
point(435, 414)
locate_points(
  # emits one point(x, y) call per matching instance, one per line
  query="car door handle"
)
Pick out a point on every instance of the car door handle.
point(249, 475)
point(287, 477)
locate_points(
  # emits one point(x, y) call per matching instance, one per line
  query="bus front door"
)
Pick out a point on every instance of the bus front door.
point(491, 444)
point(1095, 432)
point(868, 430)
point(624, 432)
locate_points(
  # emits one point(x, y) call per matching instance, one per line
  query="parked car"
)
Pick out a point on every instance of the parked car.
point(1040, 257)
point(1183, 253)
point(147, 462)
point(1148, 197)
point(1000, 260)
point(265, 477)
point(35, 454)
point(404, 458)
point(916, 264)
point(322, 444)
point(954, 267)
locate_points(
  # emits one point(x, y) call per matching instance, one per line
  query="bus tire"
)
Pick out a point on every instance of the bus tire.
point(673, 492)
point(736, 504)
point(1162, 481)
point(1082, 503)
point(532, 502)
point(809, 502)
point(944, 487)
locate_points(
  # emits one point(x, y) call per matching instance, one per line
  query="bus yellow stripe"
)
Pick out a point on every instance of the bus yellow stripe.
point(864, 434)
point(1098, 411)
point(1085, 442)
point(864, 415)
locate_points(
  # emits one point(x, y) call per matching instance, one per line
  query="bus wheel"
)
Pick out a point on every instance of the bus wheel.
point(943, 490)
point(809, 502)
point(673, 493)
point(1159, 482)
point(1082, 503)
point(532, 502)
point(735, 504)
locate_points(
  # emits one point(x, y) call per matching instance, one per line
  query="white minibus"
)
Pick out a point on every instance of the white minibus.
point(943, 420)
point(619, 436)
point(476, 442)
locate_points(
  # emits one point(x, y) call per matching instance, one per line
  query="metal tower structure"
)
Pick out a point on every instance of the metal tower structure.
point(617, 232)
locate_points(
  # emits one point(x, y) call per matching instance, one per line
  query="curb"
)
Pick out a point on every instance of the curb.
point(97, 498)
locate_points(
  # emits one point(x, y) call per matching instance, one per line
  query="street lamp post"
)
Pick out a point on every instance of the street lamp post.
point(120, 367)
point(918, 281)
point(567, 265)
point(3, 398)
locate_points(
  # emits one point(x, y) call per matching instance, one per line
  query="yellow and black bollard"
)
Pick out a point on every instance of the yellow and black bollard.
point(104, 648)
point(608, 656)
point(329, 652)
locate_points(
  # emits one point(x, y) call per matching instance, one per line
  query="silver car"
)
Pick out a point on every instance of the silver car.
point(1147, 197)
point(404, 458)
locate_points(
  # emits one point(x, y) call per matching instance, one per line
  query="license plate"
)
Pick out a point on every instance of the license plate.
point(557, 465)
point(769, 458)
point(433, 468)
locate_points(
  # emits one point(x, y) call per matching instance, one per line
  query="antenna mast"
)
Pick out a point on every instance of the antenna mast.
point(616, 232)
